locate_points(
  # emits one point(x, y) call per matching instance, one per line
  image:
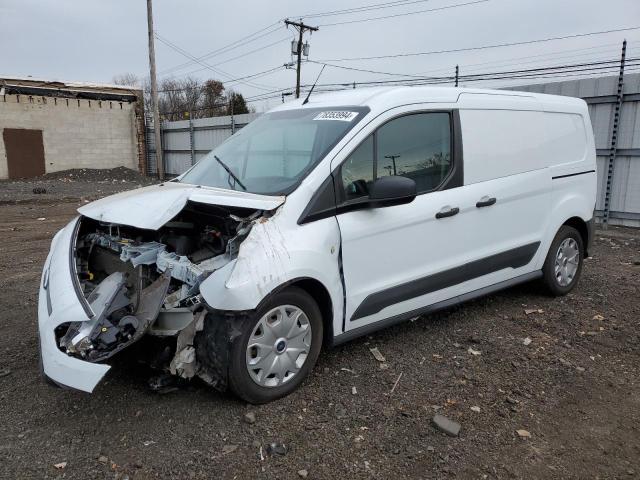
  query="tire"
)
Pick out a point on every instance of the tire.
point(252, 383)
point(562, 282)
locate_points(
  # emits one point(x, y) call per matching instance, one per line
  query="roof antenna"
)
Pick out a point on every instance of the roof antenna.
point(306, 100)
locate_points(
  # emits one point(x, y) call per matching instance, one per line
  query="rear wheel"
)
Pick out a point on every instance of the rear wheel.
point(278, 348)
point(563, 264)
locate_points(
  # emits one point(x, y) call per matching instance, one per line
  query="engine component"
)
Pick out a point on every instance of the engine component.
point(179, 266)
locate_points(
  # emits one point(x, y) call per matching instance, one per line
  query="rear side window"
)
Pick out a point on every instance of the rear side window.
point(417, 146)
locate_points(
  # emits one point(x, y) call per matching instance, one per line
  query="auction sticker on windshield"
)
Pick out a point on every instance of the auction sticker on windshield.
point(337, 115)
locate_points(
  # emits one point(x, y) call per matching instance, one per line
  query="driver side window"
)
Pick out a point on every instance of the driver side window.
point(416, 146)
point(357, 171)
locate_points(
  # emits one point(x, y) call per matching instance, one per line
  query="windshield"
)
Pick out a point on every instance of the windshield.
point(275, 152)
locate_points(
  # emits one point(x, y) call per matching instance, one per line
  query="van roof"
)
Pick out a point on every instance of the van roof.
point(382, 98)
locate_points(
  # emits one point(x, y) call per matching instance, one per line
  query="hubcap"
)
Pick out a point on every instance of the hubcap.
point(279, 345)
point(567, 261)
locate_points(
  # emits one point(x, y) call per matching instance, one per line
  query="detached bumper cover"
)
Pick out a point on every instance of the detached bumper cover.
point(59, 303)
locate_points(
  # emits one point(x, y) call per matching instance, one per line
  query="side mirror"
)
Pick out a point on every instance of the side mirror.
point(392, 190)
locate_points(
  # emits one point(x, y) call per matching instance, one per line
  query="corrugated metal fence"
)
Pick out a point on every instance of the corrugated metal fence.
point(185, 142)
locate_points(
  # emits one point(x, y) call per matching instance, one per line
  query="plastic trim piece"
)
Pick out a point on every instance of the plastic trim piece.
point(321, 205)
point(514, 258)
point(387, 322)
point(573, 174)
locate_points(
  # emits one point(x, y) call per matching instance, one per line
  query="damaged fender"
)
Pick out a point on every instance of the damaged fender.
point(273, 254)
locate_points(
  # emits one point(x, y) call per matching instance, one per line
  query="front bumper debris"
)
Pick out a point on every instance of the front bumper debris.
point(58, 303)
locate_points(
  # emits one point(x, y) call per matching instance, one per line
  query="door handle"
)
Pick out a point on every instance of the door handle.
point(486, 201)
point(447, 212)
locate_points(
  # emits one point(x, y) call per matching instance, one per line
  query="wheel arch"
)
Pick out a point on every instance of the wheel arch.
point(585, 231)
point(320, 294)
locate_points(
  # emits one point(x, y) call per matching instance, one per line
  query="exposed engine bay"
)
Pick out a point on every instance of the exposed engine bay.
point(147, 282)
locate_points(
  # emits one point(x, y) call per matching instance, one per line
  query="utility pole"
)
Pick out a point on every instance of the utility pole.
point(393, 159)
point(457, 71)
point(301, 28)
point(231, 102)
point(154, 93)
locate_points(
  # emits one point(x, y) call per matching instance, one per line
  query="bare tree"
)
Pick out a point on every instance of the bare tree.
point(192, 93)
point(170, 99)
point(127, 79)
point(182, 98)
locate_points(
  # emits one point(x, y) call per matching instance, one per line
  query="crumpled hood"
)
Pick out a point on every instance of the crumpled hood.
point(152, 207)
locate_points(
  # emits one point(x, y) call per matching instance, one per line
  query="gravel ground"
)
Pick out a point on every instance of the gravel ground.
point(574, 387)
point(83, 184)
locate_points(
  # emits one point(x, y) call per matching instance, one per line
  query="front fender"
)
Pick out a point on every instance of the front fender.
point(274, 254)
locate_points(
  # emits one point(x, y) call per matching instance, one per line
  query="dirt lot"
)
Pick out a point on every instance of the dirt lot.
point(574, 387)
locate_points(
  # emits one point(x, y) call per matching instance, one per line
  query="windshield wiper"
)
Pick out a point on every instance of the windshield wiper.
point(231, 174)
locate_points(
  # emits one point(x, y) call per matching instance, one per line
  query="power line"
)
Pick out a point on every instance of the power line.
point(229, 47)
point(551, 72)
point(517, 60)
point(483, 47)
point(386, 17)
point(238, 56)
point(465, 67)
point(271, 70)
point(342, 67)
point(349, 85)
point(188, 55)
point(578, 67)
point(408, 78)
point(364, 8)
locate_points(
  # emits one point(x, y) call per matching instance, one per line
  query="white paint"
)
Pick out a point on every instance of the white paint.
point(58, 366)
point(153, 206)
point(513, 146)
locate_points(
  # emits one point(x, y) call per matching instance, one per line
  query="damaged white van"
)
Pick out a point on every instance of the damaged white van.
point(319, 222)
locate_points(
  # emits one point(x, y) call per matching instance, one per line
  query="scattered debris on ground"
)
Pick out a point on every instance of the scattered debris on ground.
point(445, 425)
point(574, 388)
point(78, 185)
point(377, 355)
point(276, 449)
point(523, 433)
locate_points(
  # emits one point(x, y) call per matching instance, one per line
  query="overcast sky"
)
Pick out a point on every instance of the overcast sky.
point(93, 40)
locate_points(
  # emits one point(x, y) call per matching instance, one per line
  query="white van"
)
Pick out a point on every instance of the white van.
point(317, 223)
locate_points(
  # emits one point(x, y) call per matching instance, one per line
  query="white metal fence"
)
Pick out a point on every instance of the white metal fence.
point(185, 142)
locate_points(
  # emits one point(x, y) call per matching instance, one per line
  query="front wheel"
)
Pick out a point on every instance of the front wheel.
point(563, 264)
point(278, 347)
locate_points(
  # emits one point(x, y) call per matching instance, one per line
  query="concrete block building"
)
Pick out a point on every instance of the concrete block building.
point(49, 126)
